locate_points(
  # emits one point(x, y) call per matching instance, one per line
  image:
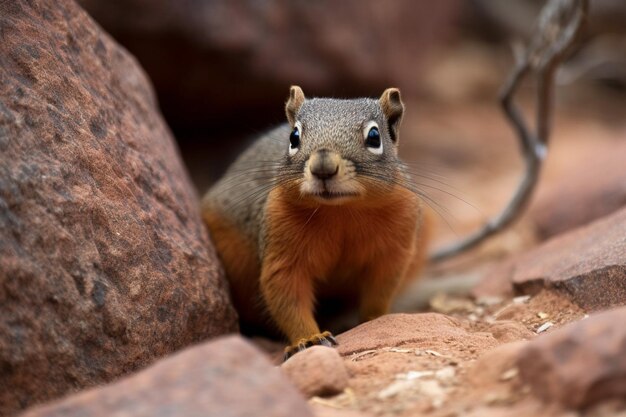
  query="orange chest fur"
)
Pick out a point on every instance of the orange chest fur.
point(341, 240)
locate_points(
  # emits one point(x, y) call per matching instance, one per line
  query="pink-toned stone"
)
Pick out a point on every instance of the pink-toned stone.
point(579, 364)
point(430, 330)
point(227, 377)
point(105, 264)
point(317, 371)
point(490, 368)
point(587, 264)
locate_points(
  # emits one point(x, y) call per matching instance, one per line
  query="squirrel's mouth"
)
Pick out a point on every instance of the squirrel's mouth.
point(333, 191)
point(333, 195)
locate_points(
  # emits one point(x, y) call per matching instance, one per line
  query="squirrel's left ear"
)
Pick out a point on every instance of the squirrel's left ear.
point(294, 102)
point(392, 107)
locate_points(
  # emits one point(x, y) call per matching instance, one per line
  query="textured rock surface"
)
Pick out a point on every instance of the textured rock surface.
point(411, 364)
point(104, 262)
point(227, 377)
point(587, 264)
point(402, 329)
point(317, 371)
point(581, 363)
point(490, 367)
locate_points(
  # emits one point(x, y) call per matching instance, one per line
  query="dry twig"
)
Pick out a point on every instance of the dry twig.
point(559, 24)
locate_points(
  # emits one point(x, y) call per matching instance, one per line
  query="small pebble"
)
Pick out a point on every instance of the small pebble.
point(317, 371)
point(545, 326)
point(521, 299)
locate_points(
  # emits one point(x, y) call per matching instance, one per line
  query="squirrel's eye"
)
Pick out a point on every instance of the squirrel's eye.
point(373, 141)
point(373, 138)
point(294, 140)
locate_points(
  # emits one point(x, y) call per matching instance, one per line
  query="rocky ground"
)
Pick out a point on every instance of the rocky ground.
point(113, 302)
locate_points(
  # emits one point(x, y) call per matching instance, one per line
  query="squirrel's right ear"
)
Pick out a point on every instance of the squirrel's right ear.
point(393, 109)
point(294, 102)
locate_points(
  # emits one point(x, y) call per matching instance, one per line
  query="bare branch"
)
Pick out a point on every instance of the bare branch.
point(559, 24)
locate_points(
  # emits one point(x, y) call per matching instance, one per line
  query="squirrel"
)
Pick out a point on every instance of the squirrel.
point(319, 206)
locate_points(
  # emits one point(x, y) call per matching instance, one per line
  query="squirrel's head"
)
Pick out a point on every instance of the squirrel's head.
point(346, 149)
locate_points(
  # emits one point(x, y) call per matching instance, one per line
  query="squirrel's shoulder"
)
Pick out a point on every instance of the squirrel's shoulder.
point(241, 192)
point(268, 146)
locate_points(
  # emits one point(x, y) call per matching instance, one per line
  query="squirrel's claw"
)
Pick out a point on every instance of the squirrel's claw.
point(331, 339)
point(324, 339)
point(326, 342)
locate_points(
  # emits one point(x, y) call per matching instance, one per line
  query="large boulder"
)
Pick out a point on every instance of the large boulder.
point(224, 378)
point(105, 264)
point(587, 265)
point(579, 364)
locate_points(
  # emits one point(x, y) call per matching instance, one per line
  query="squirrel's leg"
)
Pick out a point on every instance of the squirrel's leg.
point(378, 287)
point(384, 278)
point(288, 294)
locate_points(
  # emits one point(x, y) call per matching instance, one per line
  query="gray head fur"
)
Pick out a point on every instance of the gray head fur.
point(341, 126)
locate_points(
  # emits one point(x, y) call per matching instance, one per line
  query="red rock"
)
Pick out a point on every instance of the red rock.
point(588, 265)
point(227, 377)
point(105, 264)
point(317, 371)
point(429, 330)
point(496, 365)
point(591, 188)
point(579, 364)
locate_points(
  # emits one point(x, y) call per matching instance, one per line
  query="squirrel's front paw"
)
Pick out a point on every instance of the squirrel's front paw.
point(324, 339)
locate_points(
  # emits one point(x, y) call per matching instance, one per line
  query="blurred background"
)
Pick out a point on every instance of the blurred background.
point(222, 68)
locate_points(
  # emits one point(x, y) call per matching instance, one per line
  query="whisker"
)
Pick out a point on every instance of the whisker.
point(431, 202)
point(462, 197)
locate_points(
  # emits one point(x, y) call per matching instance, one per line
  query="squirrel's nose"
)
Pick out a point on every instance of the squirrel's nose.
point(323, 165)
point(324, 173)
